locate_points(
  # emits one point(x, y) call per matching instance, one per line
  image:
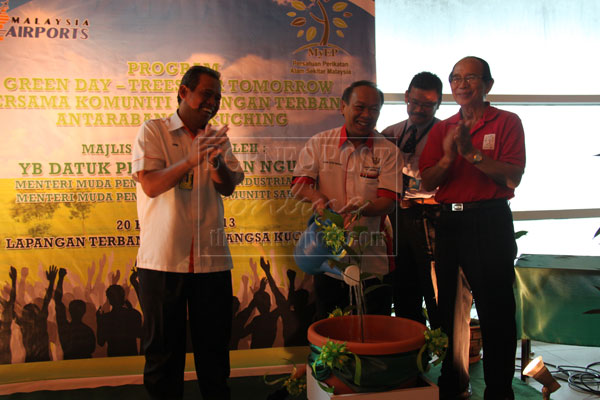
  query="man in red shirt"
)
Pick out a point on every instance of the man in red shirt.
point(476, 159)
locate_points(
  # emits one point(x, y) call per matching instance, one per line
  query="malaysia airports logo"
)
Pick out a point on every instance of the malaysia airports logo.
point(316, 23)
point(39, 27)
point(3, 17)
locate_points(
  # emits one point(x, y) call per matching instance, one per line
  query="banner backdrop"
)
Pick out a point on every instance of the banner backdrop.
point(77, 79)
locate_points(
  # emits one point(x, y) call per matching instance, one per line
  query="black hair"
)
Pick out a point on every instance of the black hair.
point(192, 77)
point(487, 73)
point(348, 91)
point(427, 81)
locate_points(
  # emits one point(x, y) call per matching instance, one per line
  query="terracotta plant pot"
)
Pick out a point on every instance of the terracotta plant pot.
point(476, 344)
point(383, 336)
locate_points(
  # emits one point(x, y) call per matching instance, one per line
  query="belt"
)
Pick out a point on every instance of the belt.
point(408, 203)
point(474, 205)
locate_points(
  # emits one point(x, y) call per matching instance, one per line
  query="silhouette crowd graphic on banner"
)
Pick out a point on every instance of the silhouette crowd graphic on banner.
point(78, 319)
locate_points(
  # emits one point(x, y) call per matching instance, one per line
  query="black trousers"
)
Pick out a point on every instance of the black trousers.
point(414, 243)
point(481, 242)
point(167, 299)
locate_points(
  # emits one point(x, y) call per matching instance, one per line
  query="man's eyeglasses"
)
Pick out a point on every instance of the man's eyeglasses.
point(457, 80)
point(425, 106)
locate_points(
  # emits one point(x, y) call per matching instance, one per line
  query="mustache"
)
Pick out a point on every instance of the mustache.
point(213, 109)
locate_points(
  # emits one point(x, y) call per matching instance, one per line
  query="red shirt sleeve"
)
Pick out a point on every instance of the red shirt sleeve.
point(433, 150)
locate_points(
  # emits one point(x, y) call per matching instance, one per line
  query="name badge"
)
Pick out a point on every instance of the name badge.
point(489, 141)
point(187, 182)
point(414, 184)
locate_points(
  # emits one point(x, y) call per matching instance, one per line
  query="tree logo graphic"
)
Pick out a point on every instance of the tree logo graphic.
point(310, 24)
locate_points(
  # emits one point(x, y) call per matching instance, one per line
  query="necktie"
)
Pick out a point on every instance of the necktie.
point(411, 143)
point(409, 147)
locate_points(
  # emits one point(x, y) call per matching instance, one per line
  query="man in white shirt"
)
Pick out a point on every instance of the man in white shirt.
point(182, 167)
point(347, 168)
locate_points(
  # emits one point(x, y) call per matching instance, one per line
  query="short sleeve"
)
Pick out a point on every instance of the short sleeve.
point(433, 150)
point(513, 142)
point(309, 160)
point(147, 151)
point(390, 177)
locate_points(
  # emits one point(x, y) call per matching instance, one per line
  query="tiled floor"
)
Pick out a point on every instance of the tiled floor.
point(577, 357)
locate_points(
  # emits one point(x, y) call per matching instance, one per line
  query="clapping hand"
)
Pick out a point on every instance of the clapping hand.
point(207, 145)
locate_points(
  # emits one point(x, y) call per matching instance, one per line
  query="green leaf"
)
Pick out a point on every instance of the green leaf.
point(351, 252)
point(520, 233)
point(326, 389)
point(333, 217)
point(357, 369)
point(276, 381)
point(338, 312)
point(338, 264)
point(371, 288)
point(334, 237)
point(349, 309)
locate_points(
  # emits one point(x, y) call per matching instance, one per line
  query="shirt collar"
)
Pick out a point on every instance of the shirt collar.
point(422, 127)
point(489, 114)
point(174, 122)
point(344, 138)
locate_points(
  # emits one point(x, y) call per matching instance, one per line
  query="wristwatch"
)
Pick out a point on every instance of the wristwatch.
point(476, 157)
